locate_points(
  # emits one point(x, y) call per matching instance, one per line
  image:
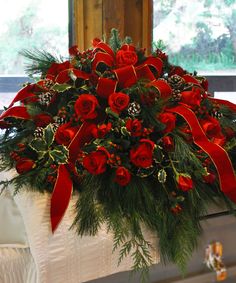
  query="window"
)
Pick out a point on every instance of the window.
point(200, 35)
point(40, 24)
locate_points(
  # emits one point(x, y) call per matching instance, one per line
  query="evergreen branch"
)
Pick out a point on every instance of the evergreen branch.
point(115, 41)
point(40, 61)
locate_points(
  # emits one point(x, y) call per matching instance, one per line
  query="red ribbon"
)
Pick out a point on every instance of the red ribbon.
point(217, 154)
point(63, 187)
point(64, 76)
point(231, 105)
point(105, 87)
point(61, 196)
point(128, 75)
point(163, 88)
point(16, 112)
point(23, 94)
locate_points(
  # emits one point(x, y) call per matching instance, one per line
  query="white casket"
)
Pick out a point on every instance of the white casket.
point(30, 253)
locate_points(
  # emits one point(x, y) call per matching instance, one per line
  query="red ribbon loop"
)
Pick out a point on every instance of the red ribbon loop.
point(126, 76)
point(230, 105)
point(64, 76)
point(217, 154)
point(144, 72)
point(104, 47)
point(23, 94)
point(155, 63)
point(163, 88)
point(102, 57)
point(105, 87)
point(16, 112)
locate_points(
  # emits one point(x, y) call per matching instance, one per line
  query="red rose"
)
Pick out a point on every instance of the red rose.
point(85, 106)
point(24, 165)
point(209, 178)
point(95, 162)
point(65, 134)
point(192, 98)
point(169, 120)
point(99, 131)
point(42, 120)
point(126, 56)
point(141, 156)
point(211, 127)
point(123, 176)
point(134, 127)
point(168, 143)
point(118, 101)
point(185, 182)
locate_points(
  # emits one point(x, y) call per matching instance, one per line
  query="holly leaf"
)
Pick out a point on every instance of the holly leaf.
point(49, 135)
point(59, 154)
point(61, 87)
point(39, 145)
point(157, 154)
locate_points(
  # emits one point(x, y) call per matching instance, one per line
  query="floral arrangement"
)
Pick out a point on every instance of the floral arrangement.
point(141, 140)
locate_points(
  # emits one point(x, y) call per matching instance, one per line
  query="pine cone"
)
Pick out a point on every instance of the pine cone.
point(45, 98)
point(134, 109)
point(38, 133)
point(176, 82)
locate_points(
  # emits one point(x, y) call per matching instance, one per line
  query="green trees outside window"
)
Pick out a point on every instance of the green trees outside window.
point(199, 35)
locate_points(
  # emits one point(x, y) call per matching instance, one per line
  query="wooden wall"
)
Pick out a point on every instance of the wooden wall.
point(95, 18)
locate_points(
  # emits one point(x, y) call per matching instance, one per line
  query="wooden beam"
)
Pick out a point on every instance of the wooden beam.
point(113, 16)
point(96, 18)
point(147, 25)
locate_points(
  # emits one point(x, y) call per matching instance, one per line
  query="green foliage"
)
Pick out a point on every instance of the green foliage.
point(39, 61)
point(115, 41)
point(59, 154)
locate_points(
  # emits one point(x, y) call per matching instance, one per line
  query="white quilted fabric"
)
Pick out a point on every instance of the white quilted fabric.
point(63, 256)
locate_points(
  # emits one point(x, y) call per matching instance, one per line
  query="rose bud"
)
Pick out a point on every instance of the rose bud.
point(123, 176)
point(24, 165)
point(168, 143)
point(73, 50)
point(209, 178)
point(185, 183)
